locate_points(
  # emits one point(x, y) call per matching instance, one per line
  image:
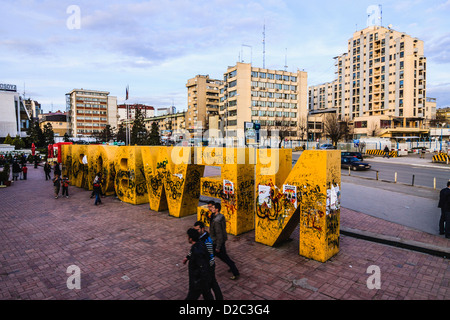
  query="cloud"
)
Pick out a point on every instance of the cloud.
point(438, 48)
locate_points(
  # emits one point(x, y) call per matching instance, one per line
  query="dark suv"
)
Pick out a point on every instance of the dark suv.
point(352, 154)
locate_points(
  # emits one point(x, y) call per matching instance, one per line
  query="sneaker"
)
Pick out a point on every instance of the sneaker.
point(67, 196)
point(234, 277)
point(56, 197)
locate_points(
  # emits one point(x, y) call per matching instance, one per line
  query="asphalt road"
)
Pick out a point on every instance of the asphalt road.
point(423, 176)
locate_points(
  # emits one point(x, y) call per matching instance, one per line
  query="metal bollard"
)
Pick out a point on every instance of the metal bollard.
point(377, 175)
point(395, 177)
point(413, 180)
point(434, 183)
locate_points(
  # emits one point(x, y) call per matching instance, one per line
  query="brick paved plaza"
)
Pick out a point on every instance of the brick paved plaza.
point(129, 252)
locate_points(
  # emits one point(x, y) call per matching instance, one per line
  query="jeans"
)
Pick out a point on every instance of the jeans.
point(97, 198)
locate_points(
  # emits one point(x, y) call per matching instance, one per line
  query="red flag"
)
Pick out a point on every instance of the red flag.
point(33, 148)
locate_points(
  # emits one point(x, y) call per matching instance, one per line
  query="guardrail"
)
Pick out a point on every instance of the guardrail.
point(392, 154)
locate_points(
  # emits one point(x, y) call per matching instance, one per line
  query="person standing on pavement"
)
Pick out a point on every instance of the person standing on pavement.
point(47, 170)
point(57, 170)
point(218, 234)
point(57, 185)
point(206, 239)
point(199, 270)
point(444, 204)
point(97, 190)
point(25, 171)
point(65, 186)
point(386, 152)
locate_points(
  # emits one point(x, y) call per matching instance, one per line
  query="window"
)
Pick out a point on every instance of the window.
point(262, 75)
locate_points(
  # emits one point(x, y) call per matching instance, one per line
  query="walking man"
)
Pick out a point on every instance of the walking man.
point(444, 204)
point(206, 239)
point(386, 152)
point(199, 270)
point(218, 234)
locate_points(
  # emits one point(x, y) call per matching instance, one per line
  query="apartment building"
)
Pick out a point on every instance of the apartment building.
point(275, 99)
point(89, 111)
point(57, 119)
point(171, 126)
point(203, 100)
point(380, 85)
point(122, 109)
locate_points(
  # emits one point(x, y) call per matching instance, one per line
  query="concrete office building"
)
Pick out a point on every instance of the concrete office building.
point(89, 111)
point(14, 119)
point(380, 85)
point(275, 99)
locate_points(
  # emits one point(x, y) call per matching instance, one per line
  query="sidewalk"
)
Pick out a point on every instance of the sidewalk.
point(130, 252)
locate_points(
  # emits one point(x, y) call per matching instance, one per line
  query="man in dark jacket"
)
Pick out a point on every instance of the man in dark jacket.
point(199, 270)
point(444, 204)
point(206, 239)
point(218, 234)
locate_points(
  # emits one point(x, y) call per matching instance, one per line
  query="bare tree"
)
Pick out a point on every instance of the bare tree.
point(347, 129)
point(302, 128)
point(373, 130)
point(332, 128)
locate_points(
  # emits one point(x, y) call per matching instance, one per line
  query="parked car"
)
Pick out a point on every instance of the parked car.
point(327, 146)
point(354, 163)
point(352, 154)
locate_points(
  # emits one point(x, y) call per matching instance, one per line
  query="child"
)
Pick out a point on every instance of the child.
point(57, 185)
point(65, 186)
point(97, 190)
point(25, 171)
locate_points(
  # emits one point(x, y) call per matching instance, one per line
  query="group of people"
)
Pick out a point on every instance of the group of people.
point(205, 247)
point(19, 170)
point(63, 183)
point(58, 181)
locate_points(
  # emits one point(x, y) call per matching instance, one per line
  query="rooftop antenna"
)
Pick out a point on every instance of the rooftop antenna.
point(381, 15)
point(285, 61)
point(251, 52)
point(264, 45)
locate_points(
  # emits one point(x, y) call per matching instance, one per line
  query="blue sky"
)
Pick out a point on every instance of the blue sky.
point(155, 46)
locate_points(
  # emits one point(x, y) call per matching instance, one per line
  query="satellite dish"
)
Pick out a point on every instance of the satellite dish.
point(390, 26)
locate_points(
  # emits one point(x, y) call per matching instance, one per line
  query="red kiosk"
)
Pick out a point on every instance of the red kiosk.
point(54, 153)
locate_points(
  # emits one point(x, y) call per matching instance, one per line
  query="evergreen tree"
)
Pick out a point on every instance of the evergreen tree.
point(49, 135)
point(66, 137)
point(139, 132)
point(121, 133)
point(154, 138)
point(35, 135)
point(8, 140)
point(18, 142)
